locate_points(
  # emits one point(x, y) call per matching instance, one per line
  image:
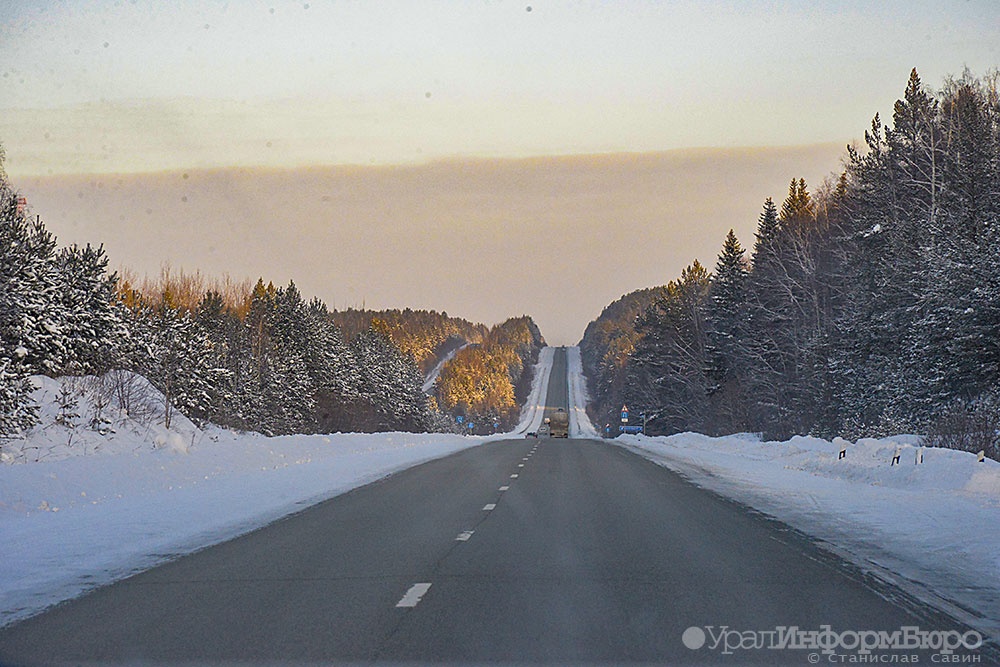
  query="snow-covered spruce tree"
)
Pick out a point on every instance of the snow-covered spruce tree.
point(955, 355)
point(922, 213)
point(33, 320)
point(271, 383)
point(57, 314)
point(225, 331)
point(866, 361)
point(391, 384)
point(92, 323)
point(290, 398)
point(792, 310)
point(809, 261)
point(176, 356)
point(332, 368)
point(727, 333)
point(254, 373)
point(17, 411)
point(767, 316)
point(667, 369)
point(18, 267)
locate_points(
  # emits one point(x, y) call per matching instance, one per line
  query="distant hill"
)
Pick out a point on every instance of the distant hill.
point(487, 384)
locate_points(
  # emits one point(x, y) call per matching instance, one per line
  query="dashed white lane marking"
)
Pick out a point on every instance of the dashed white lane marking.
point(525, 458)
point(514, 476)
point(520, 465)
point(412, 597)
point(464, 536)
point(504, 488)
point(489, 507)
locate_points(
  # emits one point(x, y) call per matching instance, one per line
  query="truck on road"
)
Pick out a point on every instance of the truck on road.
point(559, 424)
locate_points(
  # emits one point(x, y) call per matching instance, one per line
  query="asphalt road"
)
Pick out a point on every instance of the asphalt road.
point(557, 395)
point(535, 551)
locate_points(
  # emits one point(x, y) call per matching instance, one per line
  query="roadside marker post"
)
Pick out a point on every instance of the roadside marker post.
point(840, 442)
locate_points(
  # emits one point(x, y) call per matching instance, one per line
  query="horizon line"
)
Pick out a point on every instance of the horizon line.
point(442, 160)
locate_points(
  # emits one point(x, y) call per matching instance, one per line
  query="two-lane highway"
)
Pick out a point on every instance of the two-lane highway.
point(519, 551)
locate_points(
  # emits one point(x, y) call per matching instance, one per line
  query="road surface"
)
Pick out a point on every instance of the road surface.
point(518, 551)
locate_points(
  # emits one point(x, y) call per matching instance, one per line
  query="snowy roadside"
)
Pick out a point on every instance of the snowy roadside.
point(533, 411)
point(579, 422)
point(931, 528)
point(80, 509)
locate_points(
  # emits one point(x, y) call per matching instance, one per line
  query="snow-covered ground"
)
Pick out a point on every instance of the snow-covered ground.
point(579, 422)
point(932, 527)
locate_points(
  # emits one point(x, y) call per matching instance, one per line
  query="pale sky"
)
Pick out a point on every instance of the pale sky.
point(100, 87)
point(148, 85)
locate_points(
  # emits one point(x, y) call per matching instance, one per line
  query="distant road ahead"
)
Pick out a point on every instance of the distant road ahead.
point(520, 551)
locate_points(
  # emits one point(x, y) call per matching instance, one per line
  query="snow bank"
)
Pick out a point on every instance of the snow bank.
point(533, 410)
point(579, 423)
point(81, 416)
point(930, 523)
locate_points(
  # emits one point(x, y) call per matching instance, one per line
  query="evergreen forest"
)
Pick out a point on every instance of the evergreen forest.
point(868, 306)
point(251, 357)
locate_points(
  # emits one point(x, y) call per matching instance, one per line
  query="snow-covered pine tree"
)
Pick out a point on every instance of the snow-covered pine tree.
point(177, 357)
point(17, 411)
point(33, 321)
point(92, 323)
point(254, 371)
point(225, 331)
point(332, 368)
point(667, 377)
point(390, 383)
point(290, 397)
point(767, 316)
point(727, 335)
point(955, 355)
